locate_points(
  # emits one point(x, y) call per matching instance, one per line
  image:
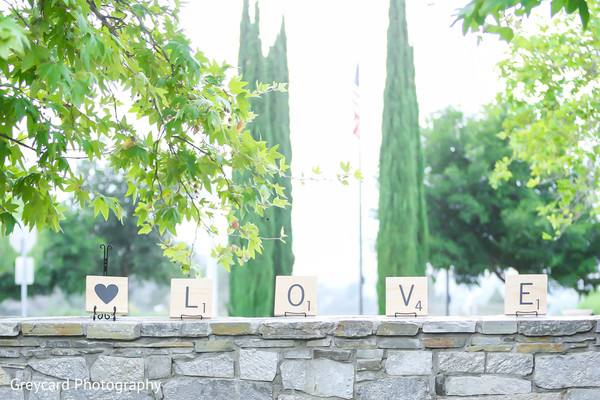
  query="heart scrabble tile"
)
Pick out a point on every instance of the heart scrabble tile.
point(104, 293)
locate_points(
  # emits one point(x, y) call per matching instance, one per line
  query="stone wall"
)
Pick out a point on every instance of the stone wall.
point(499, 358)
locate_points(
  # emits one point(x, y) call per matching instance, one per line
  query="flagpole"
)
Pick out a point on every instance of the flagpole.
point(356, 106)
point(360, 240)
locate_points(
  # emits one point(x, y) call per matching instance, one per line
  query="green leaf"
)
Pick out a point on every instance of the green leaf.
point(8, 222)
point(345, 166)
point(547, 236)
point(100, 206)
point(278, 202)
point(12, 37)
point(145, 229)
point(584, 13)
point(505, 33)
point(571, 5)
point(556, 6)
point(533, 182)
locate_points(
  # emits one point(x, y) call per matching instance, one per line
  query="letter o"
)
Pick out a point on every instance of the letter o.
point(290, 294)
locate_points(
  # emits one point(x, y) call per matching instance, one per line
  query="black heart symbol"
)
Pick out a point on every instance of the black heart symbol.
point(106, 293)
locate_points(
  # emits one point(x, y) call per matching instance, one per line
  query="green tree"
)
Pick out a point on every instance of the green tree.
point(252, 285)
point(78, 74)
point(8, 288)
point(402, 236)
point(476, 228)
point(491, 14)
point(74, 252)
point(553, 94)
point(132, 254)
point(63, 258)
point(278, 111)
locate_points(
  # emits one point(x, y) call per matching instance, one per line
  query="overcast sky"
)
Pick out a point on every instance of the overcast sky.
point(326, 39)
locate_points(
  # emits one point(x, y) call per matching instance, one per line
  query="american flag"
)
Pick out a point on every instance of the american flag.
point(355, 106)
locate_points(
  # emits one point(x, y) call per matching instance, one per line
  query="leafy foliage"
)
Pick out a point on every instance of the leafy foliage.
point(402, 236)
point(117, 81)
point(252, 285)
point(62, 258)
point(476, 228)
point(480, 13)
point(74, 252)
point(553, 93)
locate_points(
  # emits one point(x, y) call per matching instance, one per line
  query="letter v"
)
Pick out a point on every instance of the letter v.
point(409, 294)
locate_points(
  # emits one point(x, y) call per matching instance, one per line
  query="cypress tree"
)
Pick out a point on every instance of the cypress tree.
point(250, 282)
point(278, 110)
point(402, 236)
point(252, 286)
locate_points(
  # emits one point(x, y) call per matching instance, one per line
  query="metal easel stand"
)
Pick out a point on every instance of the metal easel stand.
point(405, 314)
point(105, 273)
point(526, 313)
point(292, 314)
point(105, 316)
point(191, 316)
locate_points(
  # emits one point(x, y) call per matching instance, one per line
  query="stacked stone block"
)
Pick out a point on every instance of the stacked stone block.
point(500, 358)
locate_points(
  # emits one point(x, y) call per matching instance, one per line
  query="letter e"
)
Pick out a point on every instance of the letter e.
point(522, 292)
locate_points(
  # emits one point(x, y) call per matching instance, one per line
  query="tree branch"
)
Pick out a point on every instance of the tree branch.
point(17, 142)
point(103, 18)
